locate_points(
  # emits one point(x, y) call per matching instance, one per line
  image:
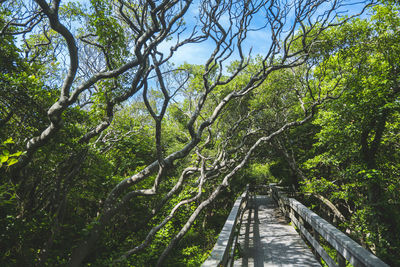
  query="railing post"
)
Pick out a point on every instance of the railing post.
point(301, 221)
point(242, 209)
point(289, 213)
point(316, 236)
point(340, 259)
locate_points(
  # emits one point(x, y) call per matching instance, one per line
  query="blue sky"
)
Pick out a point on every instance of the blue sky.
point(198, 53)
point(258, 41)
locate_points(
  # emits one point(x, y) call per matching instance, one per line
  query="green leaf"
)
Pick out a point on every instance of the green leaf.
point(3, 158)
point(6, 152)
point(12, 161)
point(17, 154)
point(9, 141)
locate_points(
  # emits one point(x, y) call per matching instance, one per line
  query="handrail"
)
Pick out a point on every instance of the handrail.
point(347, 248)
point(223, 251)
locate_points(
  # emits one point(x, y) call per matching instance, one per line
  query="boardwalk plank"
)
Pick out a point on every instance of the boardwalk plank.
point(266, 239)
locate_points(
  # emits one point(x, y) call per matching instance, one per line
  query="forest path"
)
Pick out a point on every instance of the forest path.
point(266, 239)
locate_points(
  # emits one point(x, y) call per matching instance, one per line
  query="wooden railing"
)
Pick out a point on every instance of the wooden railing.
point(303, 218)
point(223, 251)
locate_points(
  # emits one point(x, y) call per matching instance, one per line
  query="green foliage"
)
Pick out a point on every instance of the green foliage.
point(355, 165)
point(349, 154)
point(109, 32)
point(6, 158)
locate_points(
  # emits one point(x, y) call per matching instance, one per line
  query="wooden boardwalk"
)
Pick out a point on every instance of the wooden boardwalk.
point(266, 239)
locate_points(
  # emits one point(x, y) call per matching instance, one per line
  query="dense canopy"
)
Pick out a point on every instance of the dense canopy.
point(128, 127)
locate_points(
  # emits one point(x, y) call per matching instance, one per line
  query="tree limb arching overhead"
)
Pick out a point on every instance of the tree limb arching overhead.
point(135, 62)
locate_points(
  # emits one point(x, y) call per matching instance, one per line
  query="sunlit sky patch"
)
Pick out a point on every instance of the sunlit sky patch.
point(258, 41)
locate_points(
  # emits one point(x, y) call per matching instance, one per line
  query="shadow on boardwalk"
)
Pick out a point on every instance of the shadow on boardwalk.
point(267, 240)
